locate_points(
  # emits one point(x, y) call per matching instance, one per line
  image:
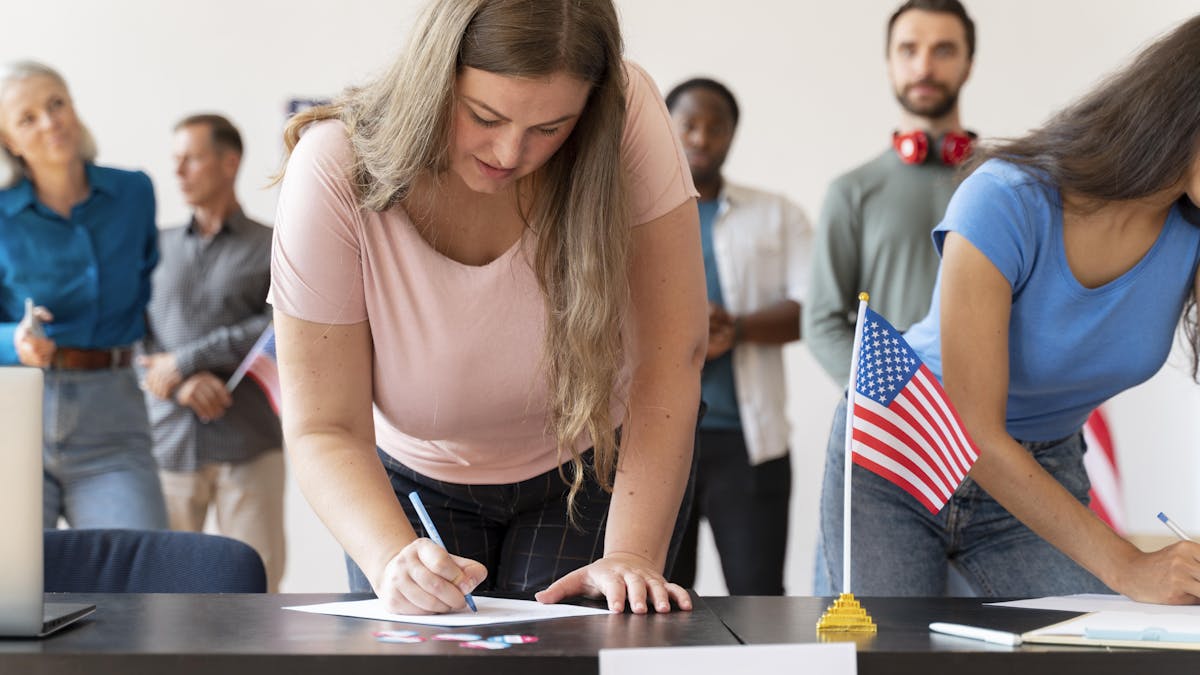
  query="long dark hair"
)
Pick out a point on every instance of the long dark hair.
point(1135, 135)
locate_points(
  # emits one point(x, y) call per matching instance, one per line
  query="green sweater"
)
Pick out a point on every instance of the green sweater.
point(873, 235)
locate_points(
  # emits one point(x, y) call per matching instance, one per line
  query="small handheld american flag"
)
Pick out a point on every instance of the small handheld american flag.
point(259, 364)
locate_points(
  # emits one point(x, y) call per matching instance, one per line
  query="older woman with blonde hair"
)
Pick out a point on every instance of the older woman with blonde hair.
point(487, 271)
point(80, 240)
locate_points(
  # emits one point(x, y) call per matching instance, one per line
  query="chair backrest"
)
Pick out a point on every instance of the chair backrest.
point(149, 561)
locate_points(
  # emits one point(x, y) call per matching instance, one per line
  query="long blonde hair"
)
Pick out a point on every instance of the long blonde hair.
point(399, 126)
point(12, 168)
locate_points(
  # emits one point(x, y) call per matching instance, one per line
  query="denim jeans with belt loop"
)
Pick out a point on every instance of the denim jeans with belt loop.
point(98, 469)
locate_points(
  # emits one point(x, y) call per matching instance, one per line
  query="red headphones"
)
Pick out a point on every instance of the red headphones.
point(953, 148)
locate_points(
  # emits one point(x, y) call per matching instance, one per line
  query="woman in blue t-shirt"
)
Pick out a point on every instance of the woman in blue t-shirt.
point(1068, 257)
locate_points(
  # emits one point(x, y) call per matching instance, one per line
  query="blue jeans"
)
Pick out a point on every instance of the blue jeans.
point(98, 470)
point(899, 548)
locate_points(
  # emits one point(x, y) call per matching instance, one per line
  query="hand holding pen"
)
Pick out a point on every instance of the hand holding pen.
point(423, 578)
point(437, 538)
point(1168, 576)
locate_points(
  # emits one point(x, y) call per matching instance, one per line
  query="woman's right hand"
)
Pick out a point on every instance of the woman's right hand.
point(34, 348)
point(425, 579)
point(1169, 576)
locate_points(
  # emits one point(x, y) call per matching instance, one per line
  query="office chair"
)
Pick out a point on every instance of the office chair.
point(149, 561)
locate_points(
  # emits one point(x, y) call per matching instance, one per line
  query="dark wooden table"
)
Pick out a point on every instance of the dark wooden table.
point(251, 635)
point(904, 644)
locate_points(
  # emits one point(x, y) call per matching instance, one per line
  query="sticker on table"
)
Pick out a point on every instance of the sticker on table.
point(514, 639)
point(404, 637)
point(484, 644)
point(456, 637)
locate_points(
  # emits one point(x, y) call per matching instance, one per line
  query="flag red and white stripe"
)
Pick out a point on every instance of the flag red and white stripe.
point(1101, 464)
point(904, 428)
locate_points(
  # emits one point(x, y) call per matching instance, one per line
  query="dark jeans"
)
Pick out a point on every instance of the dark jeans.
point(747, 508)
point(519, 531)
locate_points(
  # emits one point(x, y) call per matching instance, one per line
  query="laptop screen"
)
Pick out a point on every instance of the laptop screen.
point(21, 581)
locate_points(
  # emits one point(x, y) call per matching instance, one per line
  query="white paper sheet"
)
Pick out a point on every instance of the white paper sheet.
point(1095, 602)
point(828, 659)
point(491, 611)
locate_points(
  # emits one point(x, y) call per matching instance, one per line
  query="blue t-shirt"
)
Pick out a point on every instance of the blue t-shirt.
point(1070, 347)
point(91, 270)
point(716, 380)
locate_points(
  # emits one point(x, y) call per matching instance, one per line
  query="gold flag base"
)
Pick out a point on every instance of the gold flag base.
point(845, 615)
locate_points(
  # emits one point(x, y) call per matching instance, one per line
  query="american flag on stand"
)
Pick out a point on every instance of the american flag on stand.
point(1101, 464)
point(259, 364)
point(904, 427)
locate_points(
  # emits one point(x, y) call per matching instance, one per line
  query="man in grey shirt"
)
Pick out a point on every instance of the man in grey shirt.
point(214, 448)
point(874, 231)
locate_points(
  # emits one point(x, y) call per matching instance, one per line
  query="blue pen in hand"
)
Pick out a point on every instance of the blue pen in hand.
point(433, 534)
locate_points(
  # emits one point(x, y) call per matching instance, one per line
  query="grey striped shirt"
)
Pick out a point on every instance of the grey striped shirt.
point(208, 306)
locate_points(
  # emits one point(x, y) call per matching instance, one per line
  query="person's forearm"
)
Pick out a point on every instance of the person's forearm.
point(348, 489)
point(222, 347)
point(655, 460)
point(775, 324)
point(1014, 478)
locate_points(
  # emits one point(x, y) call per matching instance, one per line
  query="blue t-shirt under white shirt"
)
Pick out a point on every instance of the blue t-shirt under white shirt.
point(716, 380)
point(1070, 348)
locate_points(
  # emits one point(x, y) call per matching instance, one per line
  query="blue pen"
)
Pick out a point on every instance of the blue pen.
point(433, 534)
point(1174, 528)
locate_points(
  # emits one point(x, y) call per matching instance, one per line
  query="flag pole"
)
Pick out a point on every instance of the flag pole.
point(850, 440)
point(863, 298)
point(238, 374)
point(845, 615)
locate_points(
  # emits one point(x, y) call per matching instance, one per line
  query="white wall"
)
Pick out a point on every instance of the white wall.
point(810, 78)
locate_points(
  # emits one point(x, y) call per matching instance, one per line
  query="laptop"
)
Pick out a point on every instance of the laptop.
point(23, 610)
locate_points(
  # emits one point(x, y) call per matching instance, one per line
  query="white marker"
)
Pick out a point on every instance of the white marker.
point(996, 637)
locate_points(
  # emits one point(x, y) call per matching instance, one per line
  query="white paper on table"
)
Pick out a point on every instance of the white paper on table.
point(491, 611)
point(1098, 602)
point(837, 658)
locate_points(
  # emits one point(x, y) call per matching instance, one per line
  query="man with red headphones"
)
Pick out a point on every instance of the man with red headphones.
point(874, 231)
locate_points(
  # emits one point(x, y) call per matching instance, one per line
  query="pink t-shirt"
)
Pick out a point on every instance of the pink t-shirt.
point(460, 393)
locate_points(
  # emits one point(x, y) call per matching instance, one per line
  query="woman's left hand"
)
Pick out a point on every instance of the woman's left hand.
point(620, 577)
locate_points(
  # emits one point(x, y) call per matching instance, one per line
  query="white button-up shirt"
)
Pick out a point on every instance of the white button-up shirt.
point(761, 242)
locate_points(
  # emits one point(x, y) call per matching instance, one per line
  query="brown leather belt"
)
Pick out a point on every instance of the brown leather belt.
point(69, 358)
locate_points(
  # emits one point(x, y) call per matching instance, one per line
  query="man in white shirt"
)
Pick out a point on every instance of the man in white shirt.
point(756, 264)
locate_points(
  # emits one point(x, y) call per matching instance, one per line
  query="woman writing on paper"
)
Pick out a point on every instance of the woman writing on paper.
point(486, 262)
point(1068, 257)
